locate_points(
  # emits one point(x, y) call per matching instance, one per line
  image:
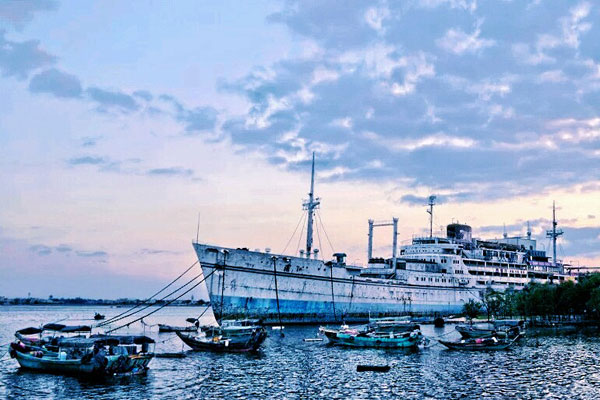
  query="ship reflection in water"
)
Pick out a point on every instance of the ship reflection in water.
point(289, 368)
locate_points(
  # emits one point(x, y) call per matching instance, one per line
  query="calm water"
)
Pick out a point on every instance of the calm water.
point(564, 367)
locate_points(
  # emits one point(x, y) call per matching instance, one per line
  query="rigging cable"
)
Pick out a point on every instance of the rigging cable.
point(148, 299)
point(293, 234)
point(326, 235)
point(299, 239)
point(163, 306)
point(158, 301)
point(319, 237)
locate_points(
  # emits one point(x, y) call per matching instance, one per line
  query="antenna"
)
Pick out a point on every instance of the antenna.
point(198, 228)
point(430, 212)
point(554, 233)
point(310, 205)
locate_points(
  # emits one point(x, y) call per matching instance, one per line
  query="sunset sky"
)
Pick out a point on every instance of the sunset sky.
point(122, 122)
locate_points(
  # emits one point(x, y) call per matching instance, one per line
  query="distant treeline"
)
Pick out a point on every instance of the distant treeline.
point(569, 299)
point(78, 301)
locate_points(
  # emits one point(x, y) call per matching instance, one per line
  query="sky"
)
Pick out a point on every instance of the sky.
point(128, 128)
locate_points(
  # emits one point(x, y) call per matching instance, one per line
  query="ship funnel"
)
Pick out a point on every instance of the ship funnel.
point(459, 232)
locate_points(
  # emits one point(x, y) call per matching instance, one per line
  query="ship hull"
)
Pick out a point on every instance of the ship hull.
point(246, 284)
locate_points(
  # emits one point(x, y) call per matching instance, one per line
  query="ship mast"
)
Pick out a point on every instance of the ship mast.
point(430, 212)
point(554, 233)
point(311, 205)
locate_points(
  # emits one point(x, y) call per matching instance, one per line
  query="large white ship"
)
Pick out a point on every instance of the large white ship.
point(432, 275)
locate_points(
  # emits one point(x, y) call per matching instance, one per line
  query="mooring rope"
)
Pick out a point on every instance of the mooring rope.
point(159, 301)
point(164, 305)
point(113, 319)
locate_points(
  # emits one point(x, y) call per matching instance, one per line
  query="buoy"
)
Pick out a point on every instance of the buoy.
point(374, 368)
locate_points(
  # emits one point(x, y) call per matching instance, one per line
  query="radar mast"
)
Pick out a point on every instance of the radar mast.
point(311, 205)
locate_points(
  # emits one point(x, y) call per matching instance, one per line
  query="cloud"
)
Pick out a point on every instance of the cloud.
point(18, 12)
point(87, 160)
point(89, 141)
point(130, 167)
point(112, 100)
point(41, 250)
point(458, 42)
point(198, 119)
point(375, 16)
point(57, 83)
point(143, 94)
point(461, 4)
point(19, 59)
point(44, 250)
point(146, 251)
point(171, 171)
point(92, 254)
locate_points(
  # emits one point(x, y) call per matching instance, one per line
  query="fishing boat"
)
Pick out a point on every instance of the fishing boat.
point(99, 317)
point(503, 328)
point(102, 355)
point(479, 344)
point(231, 336)
point(62, 348)
point(386, 336)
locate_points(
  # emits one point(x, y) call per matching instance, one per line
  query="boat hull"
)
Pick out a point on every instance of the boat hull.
point(232, 345)
point(483, 346)
point(350, 340)
point(169, 328)
point(242, 284)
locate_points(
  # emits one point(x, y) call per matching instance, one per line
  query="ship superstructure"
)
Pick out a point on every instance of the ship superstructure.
point(432, 275)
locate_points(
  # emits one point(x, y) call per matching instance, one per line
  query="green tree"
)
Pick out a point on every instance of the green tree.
point(492, 300)
point(472, 309)
point(593, 304)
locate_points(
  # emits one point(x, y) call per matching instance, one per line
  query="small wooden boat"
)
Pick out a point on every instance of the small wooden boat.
point(233, 336)
point(369, 337)
point(162, 328)
point(99, 317)
point(94, 355)
point(479, 344)
point(501, 329)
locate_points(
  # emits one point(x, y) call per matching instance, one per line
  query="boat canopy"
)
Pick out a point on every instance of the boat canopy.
point(67, 328)
point(54, 327)
point(76, 328)
point(125, 339)
point(29, 331)
point(83, 342)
